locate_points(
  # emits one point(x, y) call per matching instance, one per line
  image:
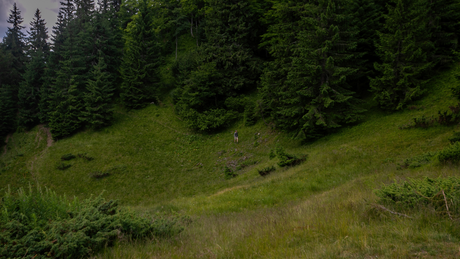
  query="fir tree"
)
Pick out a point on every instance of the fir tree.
point(108, 41)
point(98, 97)
point(309, 87)
point(7, 110)
point(404, 48)
point(140, 60)
point(367, 17)
point(58, 38)
point(14, 42)
point(65, 118)
point(29, 90)
point(445, 16)
point(210, 97)
point(7, 74)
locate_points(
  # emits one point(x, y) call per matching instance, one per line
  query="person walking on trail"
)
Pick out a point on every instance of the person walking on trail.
point(235, 137)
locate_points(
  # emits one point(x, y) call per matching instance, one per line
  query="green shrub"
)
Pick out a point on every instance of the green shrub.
point(62, 166)
point(99, 174)
point(246, 163)
point(250, 117)
point(43, 225)
point(287, 159)
point(112, 170)
point(421, 192)
point(455, 138)
point(265, 171)
point(417, 161)
point(85, 156)
point(67, 157)
point(450, 153)
point(272, 154)
point(229, 173)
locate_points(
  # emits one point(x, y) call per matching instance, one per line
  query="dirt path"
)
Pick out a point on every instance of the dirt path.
point(49, 143)
point(229, 189)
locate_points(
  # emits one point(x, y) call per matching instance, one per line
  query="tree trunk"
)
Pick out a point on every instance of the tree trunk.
point(191, 26)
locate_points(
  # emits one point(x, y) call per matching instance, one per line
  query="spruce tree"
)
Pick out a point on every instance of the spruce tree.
point(58, 38)
point(65, 118)
point(7, 110)
point(308, 89)
point(108, 41)
point(210, 96)
point(366, 16)
point(14, 42)
point(66, 93)
point(141, 59)
point(404, 48)
point(98, 97)
point(444, 21)
point(29, 90)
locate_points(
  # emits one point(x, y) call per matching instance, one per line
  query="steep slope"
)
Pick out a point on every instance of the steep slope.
point(318, 209)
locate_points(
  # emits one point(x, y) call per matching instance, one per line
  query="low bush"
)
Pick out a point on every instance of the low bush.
point(229, 173)
point(265, 171)
point(112, 170)
point(450, 153)
point(41, 224)
point(287, 159)
point(455, 138)
point(246, 163)
point(417, 161)
point(67, 157)
point(99, 174)
point(440, 193)
point(62, 166)
point(272, 154)
point(85, 156)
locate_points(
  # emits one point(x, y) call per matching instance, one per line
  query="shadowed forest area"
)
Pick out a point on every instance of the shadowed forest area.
point(117, 130)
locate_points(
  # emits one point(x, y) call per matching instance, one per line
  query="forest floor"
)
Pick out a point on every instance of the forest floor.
point(323, 208)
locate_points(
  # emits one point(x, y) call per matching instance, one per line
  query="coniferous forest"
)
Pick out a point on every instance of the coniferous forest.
point(119, 129)
point(305, 65)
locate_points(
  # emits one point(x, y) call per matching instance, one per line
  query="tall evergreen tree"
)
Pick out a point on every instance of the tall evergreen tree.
point(14, 42)
point(58, 38)
point(7, 110)
point(367, 17)
point(7, 74)
point(98, 98)
point(108, 39)
point(311, 95)
point(140, 60)
point(226, 68)
point(29, 90)
point(445, 17)
point(404, 48)
point(66, 93)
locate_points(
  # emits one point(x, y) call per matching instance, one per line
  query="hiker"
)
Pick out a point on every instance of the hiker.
point(235, 137)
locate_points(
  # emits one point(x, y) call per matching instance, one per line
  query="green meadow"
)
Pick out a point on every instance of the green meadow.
point(322, 208)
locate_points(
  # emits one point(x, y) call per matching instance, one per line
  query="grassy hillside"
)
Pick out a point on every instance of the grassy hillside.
point(320, 209)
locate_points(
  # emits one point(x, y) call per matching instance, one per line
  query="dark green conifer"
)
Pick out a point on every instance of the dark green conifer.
point(139, 68)
point(445, 17)
point(58, 39)
point(367, 18)
point(226, 67)
point(29, 89)
point(404, 48)
point(98, 97)
point(7, 110)
point(307, 86)
point(14, 42)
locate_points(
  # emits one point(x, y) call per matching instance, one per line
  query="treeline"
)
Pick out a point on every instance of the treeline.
point(303, 65)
